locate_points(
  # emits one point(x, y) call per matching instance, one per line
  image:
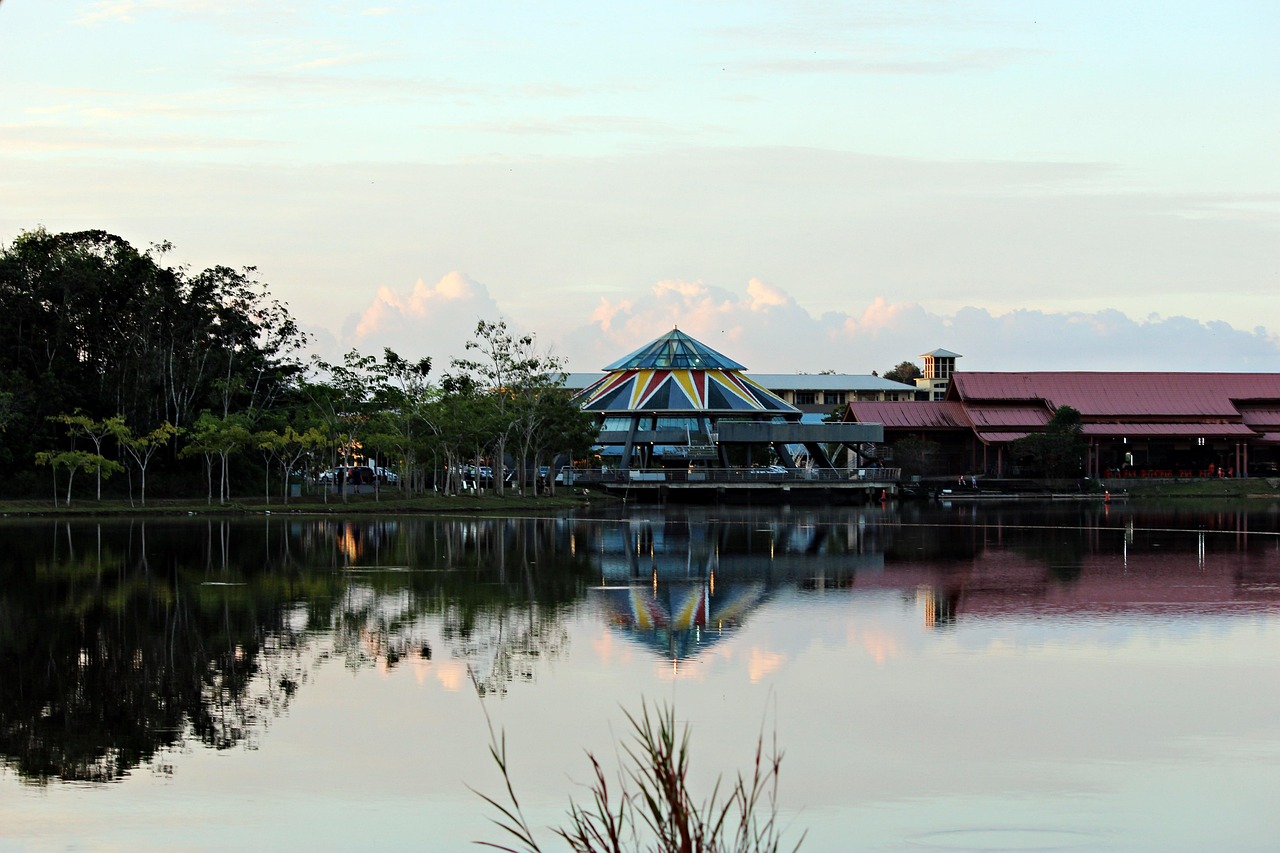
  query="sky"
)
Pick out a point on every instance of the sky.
point(803, 186)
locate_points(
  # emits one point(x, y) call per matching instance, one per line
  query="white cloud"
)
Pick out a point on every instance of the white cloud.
point(430, 319)
point(765, 328)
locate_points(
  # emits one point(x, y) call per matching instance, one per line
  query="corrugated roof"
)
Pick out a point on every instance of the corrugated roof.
point(1193, 429)
point(1196, 395)
point(1260, 417)
point(1006, 415)
point(1001, 437)
point(911, 415)
point(828, 382)
point(1000, 407)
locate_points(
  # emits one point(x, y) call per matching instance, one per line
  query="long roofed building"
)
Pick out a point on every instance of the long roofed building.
point(1134, 424)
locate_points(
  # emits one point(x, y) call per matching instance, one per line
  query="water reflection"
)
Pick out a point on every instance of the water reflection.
point(121, 642)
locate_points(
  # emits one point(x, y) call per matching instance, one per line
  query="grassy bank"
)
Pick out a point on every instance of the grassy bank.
point(386, 503)
point(1252, 488)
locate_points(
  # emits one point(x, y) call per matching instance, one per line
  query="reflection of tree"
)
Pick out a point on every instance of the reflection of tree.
point(505, 645)
point(108, 659)
point(120, 642)
point(496, 586)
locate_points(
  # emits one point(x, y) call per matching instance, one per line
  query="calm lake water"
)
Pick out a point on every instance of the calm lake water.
point(964, 677)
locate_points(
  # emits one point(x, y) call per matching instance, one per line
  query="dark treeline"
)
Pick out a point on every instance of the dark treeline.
point(119, 371)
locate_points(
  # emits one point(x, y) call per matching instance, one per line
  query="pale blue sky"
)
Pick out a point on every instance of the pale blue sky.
point(804, 186)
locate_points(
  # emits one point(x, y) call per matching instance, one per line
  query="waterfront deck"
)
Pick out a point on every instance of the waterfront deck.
point(716, 485)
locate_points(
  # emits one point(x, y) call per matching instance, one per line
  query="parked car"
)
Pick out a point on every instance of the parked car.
point(351, 475)
point(387, 475)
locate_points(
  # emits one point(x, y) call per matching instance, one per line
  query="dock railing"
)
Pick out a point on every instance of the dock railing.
point(732, 476)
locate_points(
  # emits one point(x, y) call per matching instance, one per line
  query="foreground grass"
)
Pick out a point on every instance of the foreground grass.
point(390, 502)
point(650, 806)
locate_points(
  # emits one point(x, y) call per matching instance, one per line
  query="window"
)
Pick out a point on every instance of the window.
point(806, 398)
point(690, 424)
point(833, 398)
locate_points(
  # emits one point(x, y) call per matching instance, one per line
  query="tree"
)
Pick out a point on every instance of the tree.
point(906, 372)
point(97, 432)
point(288, 447)
point(211, 437)
point(95, 326)
point(462, 422)
point(1056, 452)
point(508, 367)
point(142, 448)
point(917, 456)
point(557, 424)
point(342, 402)
point(401, 397)
point(76, 460)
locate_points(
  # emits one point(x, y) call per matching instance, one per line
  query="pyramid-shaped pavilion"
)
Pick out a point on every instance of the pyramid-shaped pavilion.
point(677, 375)
point(676, 402)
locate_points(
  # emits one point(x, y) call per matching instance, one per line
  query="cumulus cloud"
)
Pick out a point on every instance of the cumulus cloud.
point(430, 319)
point(768, 330)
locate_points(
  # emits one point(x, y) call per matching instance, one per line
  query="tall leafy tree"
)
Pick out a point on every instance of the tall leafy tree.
point(142, 447)
point(401, 396)
point(95, 325)
point(1056, 452)
point(907, 372)
point(504, 367)
point(342, 400)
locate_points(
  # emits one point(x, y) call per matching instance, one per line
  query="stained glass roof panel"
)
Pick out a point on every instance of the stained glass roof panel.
point(675, 350)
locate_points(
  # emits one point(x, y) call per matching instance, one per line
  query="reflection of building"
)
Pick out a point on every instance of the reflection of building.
point(677, 586)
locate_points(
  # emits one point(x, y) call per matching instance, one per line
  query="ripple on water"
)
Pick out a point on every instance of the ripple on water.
point(1006, 838)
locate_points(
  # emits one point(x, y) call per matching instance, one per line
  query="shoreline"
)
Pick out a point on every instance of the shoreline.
point(386, 504)
point(1119, 491)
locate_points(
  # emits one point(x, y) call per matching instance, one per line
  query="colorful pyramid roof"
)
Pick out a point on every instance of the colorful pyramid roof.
point(675, 349)
point(676, 373)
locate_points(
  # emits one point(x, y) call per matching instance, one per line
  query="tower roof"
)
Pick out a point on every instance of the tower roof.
point(675, 350)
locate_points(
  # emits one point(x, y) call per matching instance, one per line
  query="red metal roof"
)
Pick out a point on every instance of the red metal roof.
point(1005, 406)
point(1261, 416)
point(1006, 415)
point(911, 414)
point(1198, 429)
point(1197, 395)
point(1001, 437)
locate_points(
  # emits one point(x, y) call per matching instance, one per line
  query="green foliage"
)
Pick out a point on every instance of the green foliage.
point(141, 448)
point(76, 460)
point(918, 457)
point(652, 807)
point(509, 373)
point(140, 352)
point(97, 327)
point(1056, 452)
point(906, 372)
